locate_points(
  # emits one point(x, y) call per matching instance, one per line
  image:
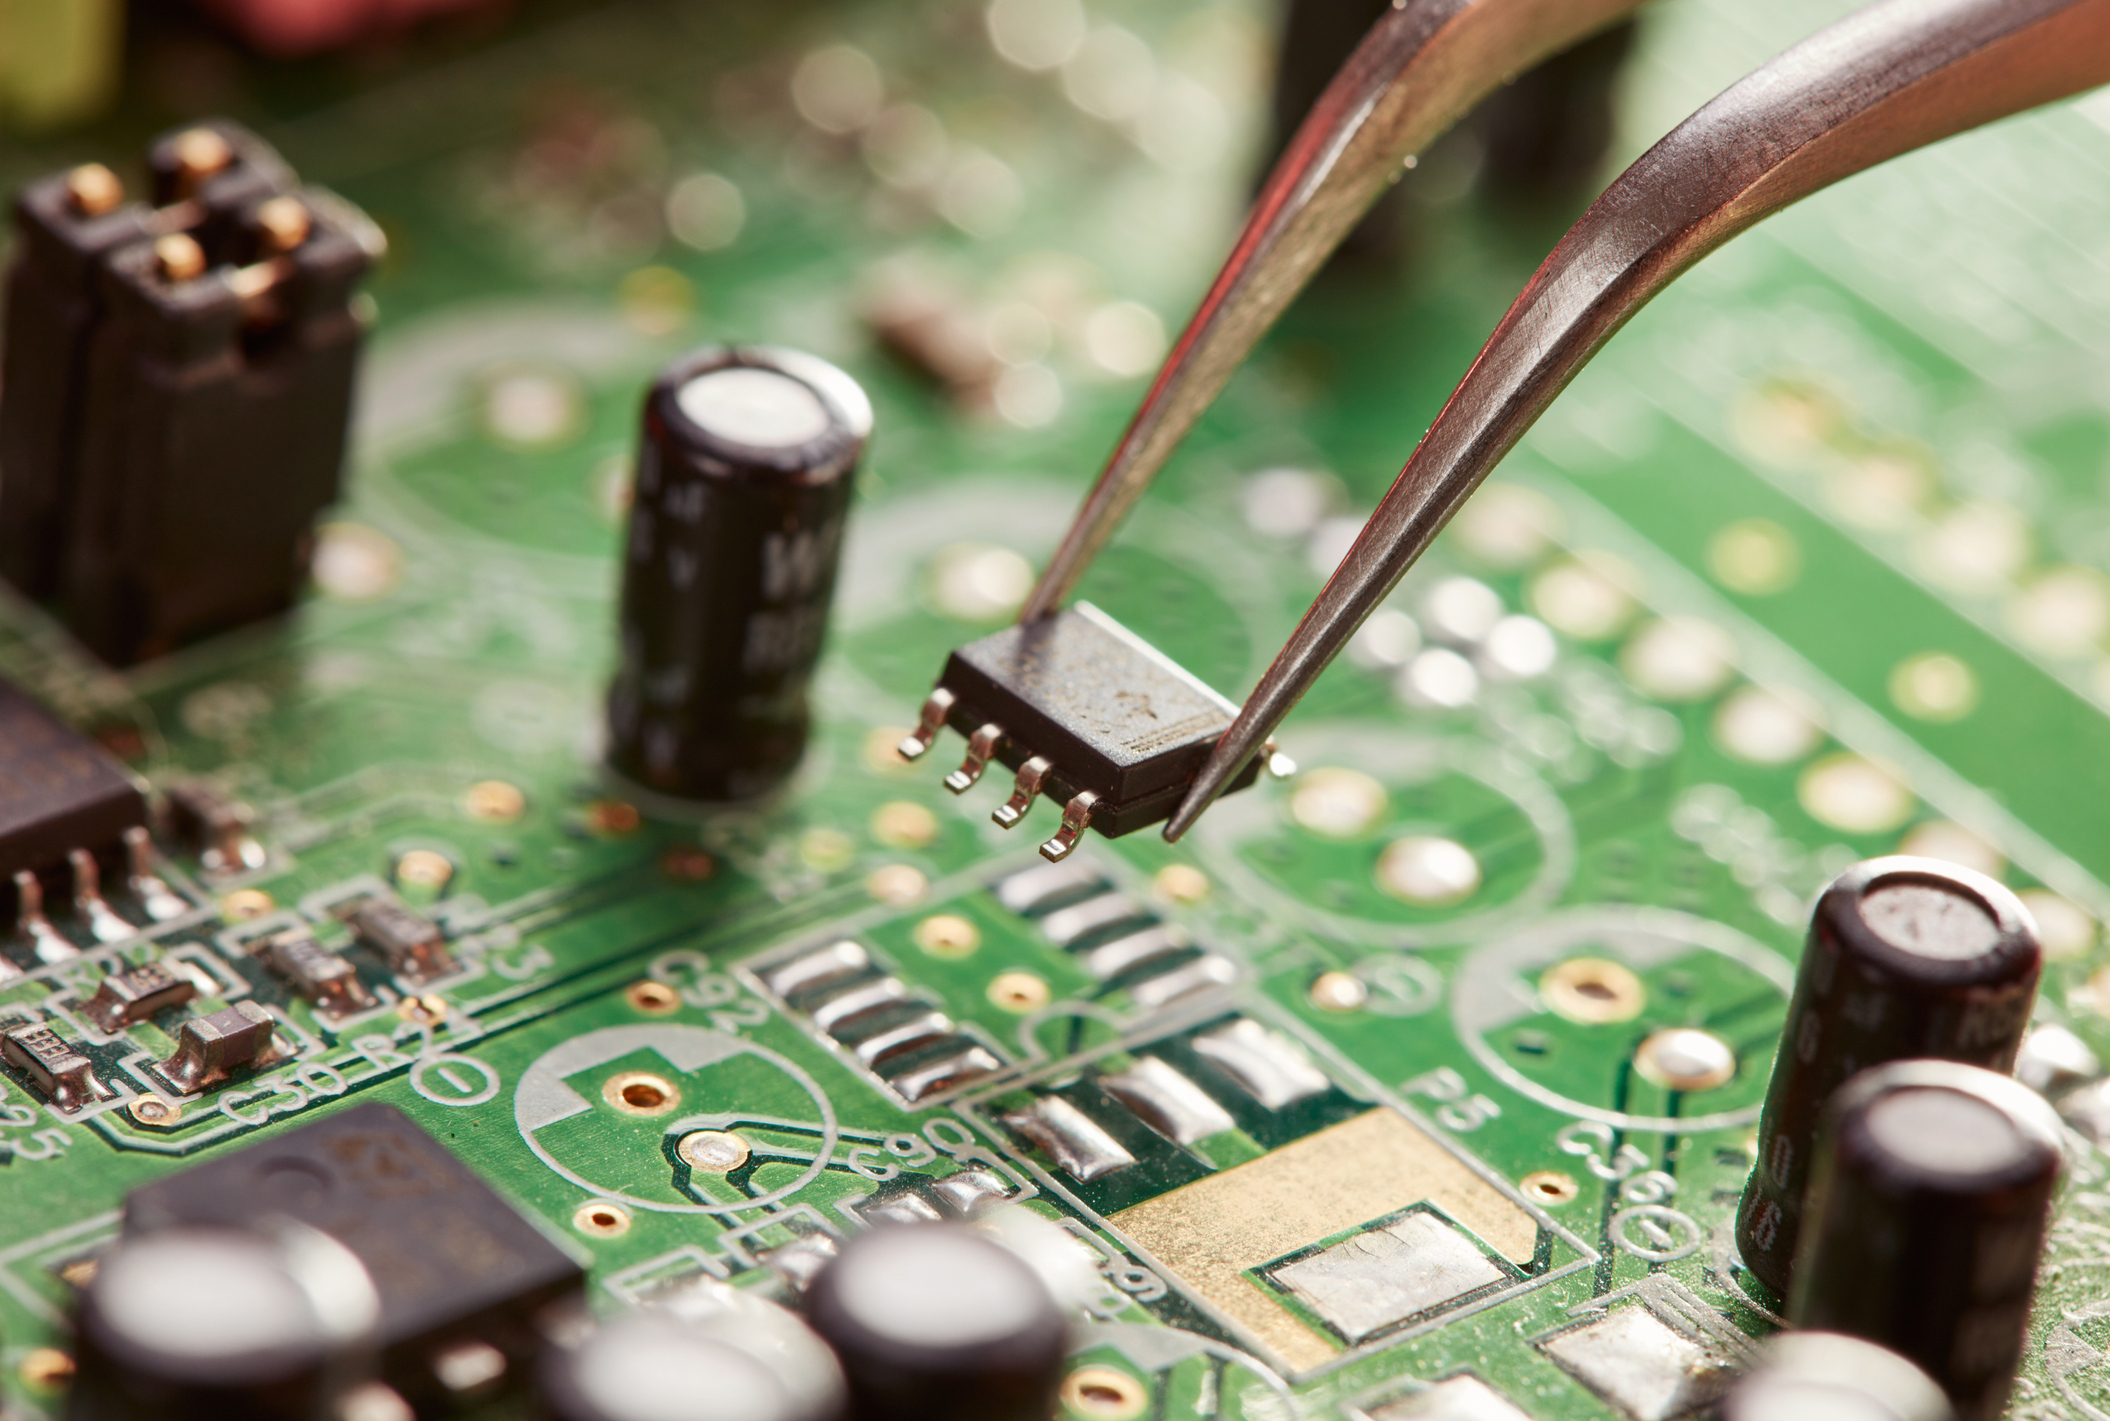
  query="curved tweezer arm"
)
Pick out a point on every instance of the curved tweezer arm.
point(1423, 64)
point(1890, 78)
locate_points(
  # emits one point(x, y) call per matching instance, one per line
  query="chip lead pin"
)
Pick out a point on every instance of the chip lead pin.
point(179, 257)
point(148, 886)
point(31, 923)
point(1031, 776)
point(1076, 818)
point(199, 153)
point(89, 902)
point(929, 721)
point(981, 746)
point(94, 189)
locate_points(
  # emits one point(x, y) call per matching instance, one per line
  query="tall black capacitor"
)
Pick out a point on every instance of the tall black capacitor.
point(1906, 957)
point(1926, 1215)
point(744, 473)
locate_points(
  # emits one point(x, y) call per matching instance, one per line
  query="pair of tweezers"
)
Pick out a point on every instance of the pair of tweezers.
point(1890, 78)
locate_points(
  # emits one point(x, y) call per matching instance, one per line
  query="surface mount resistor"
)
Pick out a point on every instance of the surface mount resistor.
point(1906, 958)
point(744, 474)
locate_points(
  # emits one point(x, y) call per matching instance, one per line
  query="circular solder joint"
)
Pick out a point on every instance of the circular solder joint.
point(1684, 1058)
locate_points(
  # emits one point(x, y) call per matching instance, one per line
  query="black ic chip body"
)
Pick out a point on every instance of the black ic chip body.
point(59, 791)
point(452, 1261)
point(1111, 715)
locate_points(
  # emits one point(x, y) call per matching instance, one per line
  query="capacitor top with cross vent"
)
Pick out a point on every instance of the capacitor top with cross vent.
point(744, 472)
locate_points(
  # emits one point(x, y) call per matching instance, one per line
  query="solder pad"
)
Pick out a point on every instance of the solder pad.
point(1210, 1232)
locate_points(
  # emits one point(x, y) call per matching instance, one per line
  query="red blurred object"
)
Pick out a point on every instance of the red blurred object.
point(295, 27)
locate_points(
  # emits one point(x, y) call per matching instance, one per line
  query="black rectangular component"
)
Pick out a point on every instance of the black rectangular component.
point(452, 1261)
point(1115, 716)
point(55, 307)
point(217, 408)
point(412, 943)
point(59, 791)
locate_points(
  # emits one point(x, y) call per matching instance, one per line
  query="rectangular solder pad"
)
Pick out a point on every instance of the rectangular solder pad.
point(59, 790)
point(1116, 716)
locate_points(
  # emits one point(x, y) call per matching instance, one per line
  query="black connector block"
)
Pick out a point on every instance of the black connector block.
point(197, 503)
point(55, 307)
point(177, 390)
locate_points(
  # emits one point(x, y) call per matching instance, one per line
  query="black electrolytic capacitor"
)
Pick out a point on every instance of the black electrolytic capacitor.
point(744, 472)
point(759, 1363)
point(936, 1322)
point(1905, 958)
point(193, 1324)
point(1926, 1216)
point(1828, 1376)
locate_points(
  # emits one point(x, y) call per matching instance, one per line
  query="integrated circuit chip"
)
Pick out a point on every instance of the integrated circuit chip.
point(454, 1264)
point(1088, 714)
point(59, 791)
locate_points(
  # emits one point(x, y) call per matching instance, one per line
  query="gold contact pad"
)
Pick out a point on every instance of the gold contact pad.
point(1209, 1232)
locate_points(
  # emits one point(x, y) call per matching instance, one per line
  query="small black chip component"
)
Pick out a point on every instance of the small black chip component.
point(1087, 713)
point(59, 791)
point(317, 973)
point(209, 1049)
point(456, 1267)
point(412, 943)
point(123, 998)
point(66, 1077)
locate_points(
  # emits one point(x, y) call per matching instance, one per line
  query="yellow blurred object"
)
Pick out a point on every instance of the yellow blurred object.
point(58, 60)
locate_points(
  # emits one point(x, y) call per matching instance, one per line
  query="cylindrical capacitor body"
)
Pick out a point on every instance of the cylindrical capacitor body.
point(937, 1322)
point(1905, 958)
point(744, 473)
point(1926, 1215)
point(200, 1324)
point(757, 1364)
point(1828, 1376)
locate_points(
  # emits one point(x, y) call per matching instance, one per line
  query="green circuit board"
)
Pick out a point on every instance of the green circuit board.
point(1815, 551)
